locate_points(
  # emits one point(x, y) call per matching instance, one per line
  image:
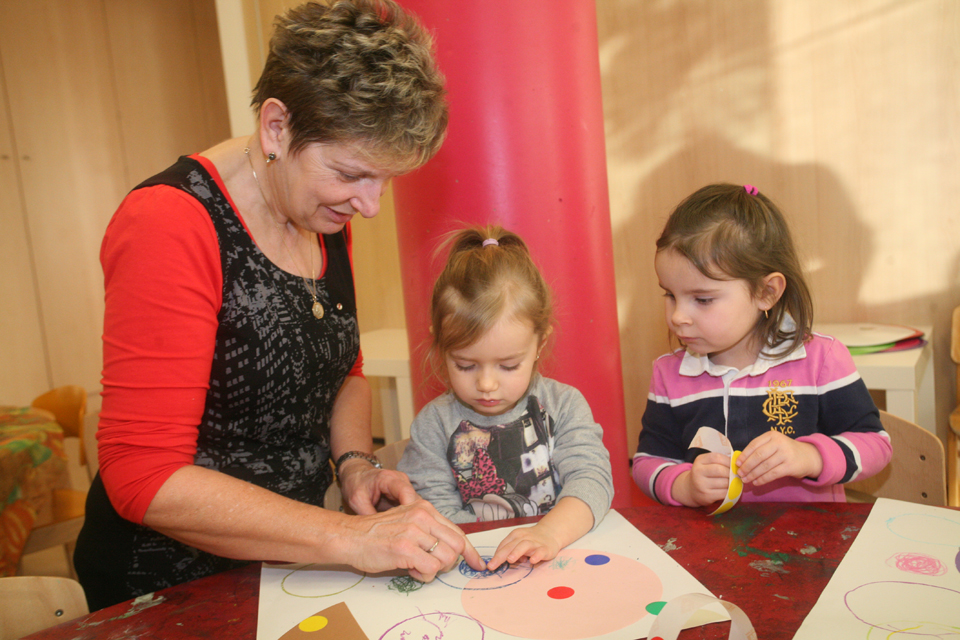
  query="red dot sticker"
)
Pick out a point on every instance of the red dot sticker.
point(560, 593)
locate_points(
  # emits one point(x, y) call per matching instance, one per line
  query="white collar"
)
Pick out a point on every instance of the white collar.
point(693, 365)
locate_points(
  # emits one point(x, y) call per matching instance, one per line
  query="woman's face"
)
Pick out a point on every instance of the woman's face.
point(322, 187)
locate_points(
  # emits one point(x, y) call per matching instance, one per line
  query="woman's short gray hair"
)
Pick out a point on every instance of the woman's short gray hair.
point(357, 71)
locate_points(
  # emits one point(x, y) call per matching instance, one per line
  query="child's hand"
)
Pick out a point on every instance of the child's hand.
point(569, 519)
point(774, 455)
point(705, 483)
point(534, 543)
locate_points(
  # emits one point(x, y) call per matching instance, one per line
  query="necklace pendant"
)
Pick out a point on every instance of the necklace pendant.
point(317, 310)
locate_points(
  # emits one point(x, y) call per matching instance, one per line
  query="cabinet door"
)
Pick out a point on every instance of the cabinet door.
point(66, 128)
point(22, 352)
point(101, 94)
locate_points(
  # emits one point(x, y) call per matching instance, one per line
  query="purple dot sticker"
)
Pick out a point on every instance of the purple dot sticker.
point(597, 559)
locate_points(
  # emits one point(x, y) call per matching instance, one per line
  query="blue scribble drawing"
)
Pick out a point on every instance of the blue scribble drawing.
point(469, 572)
point(561, 562)
point(504, 575)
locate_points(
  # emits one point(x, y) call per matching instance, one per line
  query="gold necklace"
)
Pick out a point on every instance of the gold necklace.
point(312, 284)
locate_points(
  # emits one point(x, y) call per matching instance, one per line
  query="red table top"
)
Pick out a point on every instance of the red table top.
point(770, 559)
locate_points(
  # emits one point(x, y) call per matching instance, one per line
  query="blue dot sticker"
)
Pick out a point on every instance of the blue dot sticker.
point(597, 559)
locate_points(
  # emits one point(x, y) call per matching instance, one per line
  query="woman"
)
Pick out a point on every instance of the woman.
point(232, 374)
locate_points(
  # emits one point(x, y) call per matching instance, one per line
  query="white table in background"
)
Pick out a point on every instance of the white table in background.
point(386, 355)
point(907, 379)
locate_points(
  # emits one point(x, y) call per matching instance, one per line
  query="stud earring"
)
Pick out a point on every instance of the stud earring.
point(766, 314)
point(271, 157)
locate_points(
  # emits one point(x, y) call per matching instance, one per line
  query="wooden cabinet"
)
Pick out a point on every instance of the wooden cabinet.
point(97, 95)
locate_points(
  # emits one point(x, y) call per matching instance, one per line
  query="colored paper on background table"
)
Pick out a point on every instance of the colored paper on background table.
point(608, 585)
point(712, 440)
point(867, 334)
point(900, 578)
point(903, 345)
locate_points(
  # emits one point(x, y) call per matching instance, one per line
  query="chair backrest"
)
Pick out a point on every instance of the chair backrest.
point(953, 433)
point(68, 404)
point(955, 343)
point(32, 603)
point(917, 472)
point(390, 454)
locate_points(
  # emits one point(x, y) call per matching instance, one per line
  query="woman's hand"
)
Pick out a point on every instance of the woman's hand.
point(368, 489)
point(773, 455)
point(705, 483)
point(414, 537)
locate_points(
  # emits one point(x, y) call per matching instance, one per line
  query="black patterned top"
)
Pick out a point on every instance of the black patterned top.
point(275, 374)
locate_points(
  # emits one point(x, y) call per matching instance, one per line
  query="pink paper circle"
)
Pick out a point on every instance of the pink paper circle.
point(606, 596)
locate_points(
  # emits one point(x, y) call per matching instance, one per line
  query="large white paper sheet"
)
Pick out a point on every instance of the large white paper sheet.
point(900, 578)
point(607, 585)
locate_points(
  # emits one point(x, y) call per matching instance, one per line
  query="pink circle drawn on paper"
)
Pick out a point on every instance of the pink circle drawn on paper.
point(605, 597)
point(919, 563)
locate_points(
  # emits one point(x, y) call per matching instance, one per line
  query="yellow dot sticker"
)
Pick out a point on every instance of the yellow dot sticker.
point(736, 484)
point(313, 623)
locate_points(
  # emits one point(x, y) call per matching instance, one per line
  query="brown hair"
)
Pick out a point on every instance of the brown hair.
point(482, 283)
point(729, 234)
point(357, 71)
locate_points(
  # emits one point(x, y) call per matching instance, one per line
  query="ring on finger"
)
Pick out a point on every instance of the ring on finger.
point(430, 550)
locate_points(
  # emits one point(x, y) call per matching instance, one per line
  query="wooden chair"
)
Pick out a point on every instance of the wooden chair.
point(32, 603)
point(953, 434)
point(69, 405)
point(389, 456)
point(915, 474)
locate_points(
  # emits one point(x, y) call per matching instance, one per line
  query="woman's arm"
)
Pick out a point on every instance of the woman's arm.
point(364, 487)
point(232, 518)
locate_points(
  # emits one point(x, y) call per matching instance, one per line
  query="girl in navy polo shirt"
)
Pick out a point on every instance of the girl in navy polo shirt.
point(749, 366)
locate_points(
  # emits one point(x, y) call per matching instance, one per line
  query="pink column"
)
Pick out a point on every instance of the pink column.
point(525, 149)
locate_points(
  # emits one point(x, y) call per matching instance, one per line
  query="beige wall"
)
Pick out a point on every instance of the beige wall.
point(845, 113)
point(96, 96)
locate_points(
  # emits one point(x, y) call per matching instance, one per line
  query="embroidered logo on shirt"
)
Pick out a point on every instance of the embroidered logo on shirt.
point(780, 406)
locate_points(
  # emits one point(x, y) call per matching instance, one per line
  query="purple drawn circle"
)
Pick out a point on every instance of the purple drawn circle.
point(907, 620)
point(597, 559)
point(442, 619)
